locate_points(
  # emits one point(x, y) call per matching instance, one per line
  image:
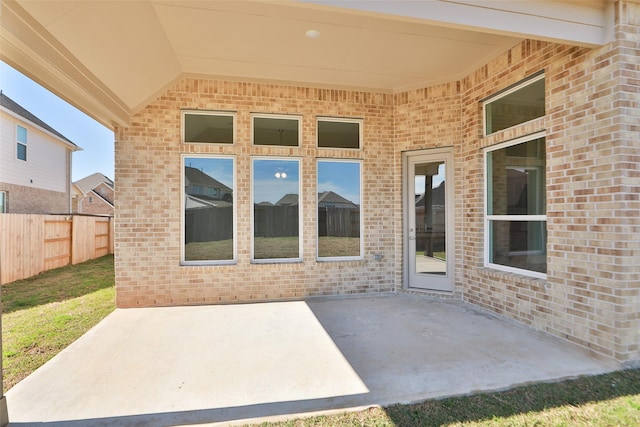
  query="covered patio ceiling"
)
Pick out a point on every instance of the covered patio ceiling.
point(111, 58)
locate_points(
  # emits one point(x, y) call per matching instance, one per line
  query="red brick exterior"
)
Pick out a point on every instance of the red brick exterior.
point(30, 200)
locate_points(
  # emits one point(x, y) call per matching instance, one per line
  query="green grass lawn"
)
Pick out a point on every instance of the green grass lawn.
point(44, 314)
point(600, 401)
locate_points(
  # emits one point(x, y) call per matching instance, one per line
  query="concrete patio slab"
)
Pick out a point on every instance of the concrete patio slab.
point(231, 364)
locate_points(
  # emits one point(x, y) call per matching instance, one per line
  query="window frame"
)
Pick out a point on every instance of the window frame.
point(291, 117)
point(21, 143)
point(300, 257)
point(540, 75)
point(360, 206)
point(219, 113)
point(359, 122)
point(489, 219)
point(3, 202)
point(183, 261)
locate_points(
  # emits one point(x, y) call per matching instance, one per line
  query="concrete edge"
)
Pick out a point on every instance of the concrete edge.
point(4, 412)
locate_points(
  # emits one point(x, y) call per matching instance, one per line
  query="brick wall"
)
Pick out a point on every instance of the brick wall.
point(148, 202)
point(21, 199)
point(592, 293)
point(95, 205)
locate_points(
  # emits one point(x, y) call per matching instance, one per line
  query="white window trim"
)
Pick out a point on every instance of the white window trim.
point(341, 258)
point(182, 213)
point(277, 116)
point(24, 144)
point(489, 218)
point(360, 123)
point(502, 94)
point(300, 211)
point(231, 114)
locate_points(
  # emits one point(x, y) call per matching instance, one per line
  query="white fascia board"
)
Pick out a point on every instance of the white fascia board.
point(26, 46)
point(567, 23)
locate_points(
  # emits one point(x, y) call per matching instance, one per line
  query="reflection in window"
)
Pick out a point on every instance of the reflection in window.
point(276, 130)
point(208, 209)
point(516, 205)
point(339, 133)
point(524, 102)
point(22, 143)
point(276, 209)
point(339, 215)
point(208, 127)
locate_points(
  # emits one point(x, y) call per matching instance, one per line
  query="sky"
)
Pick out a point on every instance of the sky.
point(95, 140)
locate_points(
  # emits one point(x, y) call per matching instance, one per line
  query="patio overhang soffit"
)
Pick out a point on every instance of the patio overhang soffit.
point(111, 58)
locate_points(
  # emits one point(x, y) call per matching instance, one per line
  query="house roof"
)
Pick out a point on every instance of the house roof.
point(197, 177)
point(382, 46)
point(288, 200)
point(331, 197)
point(16, 108)
point(90, 182)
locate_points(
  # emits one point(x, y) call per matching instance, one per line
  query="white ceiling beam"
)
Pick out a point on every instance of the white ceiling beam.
point(586, 23)
point(29, 48)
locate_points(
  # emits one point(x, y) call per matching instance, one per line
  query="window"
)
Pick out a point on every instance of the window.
point(521, 103)
point(3, 202)
point(339, 133)
point(21, 138)
point(209, 221)
point(339, 213)
point(208, 127)
point(276, 210)
point(516, 220)
point(276, 130)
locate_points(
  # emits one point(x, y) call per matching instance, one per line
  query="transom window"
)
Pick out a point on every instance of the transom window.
point(208, 127)
point(516, 220)
point(267, 129)
point(21, 138)
point(339, 133)
point(209, 210)
point(339, 212)
point(523, 102)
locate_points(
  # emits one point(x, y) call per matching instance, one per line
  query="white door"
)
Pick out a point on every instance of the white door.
point(428, 206)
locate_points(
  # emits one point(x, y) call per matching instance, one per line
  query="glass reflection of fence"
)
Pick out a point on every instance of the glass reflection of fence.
point(208, 224)
point(216, 223)
point(275, 221)
point(338, 222)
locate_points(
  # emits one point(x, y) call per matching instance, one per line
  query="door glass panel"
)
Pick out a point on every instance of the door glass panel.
point(430, 224)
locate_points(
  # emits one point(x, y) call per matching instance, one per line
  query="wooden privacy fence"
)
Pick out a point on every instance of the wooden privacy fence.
point(31, 244)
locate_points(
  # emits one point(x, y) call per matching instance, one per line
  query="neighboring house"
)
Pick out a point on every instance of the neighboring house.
point(35, 163)
point(93, 195)
point(329, 199)
point(527, 110)
point(199, 184)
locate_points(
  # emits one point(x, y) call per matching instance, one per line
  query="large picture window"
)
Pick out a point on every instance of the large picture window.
point(208, 127)
point(339, 212)
point(513, 106)
point(21, 138)
point(276, 210)
point(209, 210)
point(516, 220)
